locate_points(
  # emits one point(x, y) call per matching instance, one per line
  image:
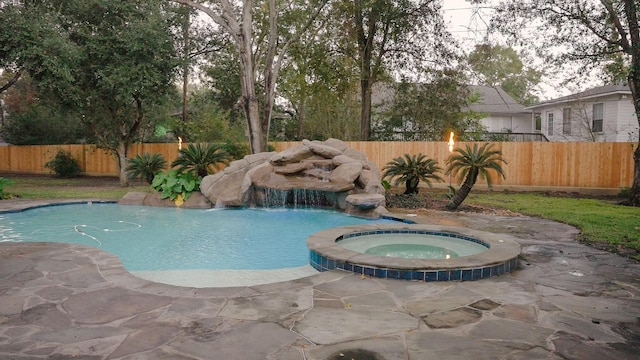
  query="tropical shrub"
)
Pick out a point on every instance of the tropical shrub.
point(64, 165)
point(176, 185)
point(470, 162)
point(236, 150)
point(3, 183)
point(411, 169)
point(145, 166)
point(200, 158)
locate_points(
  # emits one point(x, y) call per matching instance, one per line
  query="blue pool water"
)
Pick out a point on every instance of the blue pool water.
point(413, 246)
point(155, 238)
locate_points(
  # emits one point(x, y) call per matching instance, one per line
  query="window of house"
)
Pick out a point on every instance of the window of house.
point(538, 121)
point(550, 124)
point(597, 117)
point(566, 121)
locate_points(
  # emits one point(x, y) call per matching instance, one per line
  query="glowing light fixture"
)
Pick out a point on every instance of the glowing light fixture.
point(451, 142)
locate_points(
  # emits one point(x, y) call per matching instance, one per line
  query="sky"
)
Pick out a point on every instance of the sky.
point(467, 25)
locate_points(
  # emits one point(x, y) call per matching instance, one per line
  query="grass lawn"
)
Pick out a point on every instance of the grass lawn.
point(49, 187)
point(603, 223)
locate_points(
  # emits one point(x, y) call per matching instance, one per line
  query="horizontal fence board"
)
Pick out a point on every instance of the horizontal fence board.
point(552, 164)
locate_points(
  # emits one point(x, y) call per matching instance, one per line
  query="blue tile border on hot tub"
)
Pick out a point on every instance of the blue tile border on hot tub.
point(500, 258)
point(323, 263)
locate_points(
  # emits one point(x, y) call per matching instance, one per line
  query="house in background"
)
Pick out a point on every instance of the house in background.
point(604, 113)
point(504, 117)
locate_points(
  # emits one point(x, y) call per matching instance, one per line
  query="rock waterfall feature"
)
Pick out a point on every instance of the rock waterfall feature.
point(312, 174)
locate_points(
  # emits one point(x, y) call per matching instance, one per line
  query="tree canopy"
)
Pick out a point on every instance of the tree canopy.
point(502, 66)
point(582, 35)
point(260, 44)
point(392, 38)
point(110, 62)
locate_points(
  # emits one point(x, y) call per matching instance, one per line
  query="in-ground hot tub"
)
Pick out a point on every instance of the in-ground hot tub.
point(414, 252)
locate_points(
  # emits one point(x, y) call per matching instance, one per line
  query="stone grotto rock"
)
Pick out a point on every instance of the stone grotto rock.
point(312, 174)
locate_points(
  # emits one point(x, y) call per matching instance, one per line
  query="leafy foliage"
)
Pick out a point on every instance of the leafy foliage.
point(4, 182)
point(470, 162)
point(64, 165)
point(428, 111)
point(146, 166)
point(111, 61)
point(236, 150)
point(586, 36)
point(200, 158)
point(319, 86)
point(502, 66)
point(209, 119)
point(385, 36)
point(36, 117)
point(411, 170)
point(263, 31)
point(176, 185)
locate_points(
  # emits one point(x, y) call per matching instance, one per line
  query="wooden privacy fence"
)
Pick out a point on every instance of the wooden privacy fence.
point(31, 159)
point(552, 164)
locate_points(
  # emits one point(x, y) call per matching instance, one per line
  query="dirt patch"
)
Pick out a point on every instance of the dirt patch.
point(436, 200)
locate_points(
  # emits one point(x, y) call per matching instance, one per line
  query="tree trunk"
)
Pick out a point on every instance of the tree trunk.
point(302, 114)
point(634, 197)
point(240, 32)
point(185, 65)
point(463, 191)
point(257, 140)
point(411, 186)
point(122, 156)
point(634, 83)
point(365, 109)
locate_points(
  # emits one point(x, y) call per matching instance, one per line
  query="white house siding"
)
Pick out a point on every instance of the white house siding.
point(627, 126)
point(523, 124)
point(508, 123)
point(619, 122)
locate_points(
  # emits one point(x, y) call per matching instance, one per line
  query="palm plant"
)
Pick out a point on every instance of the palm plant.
point(145, 166)
point(411, 169)
point(199, 158)
point(468, 164)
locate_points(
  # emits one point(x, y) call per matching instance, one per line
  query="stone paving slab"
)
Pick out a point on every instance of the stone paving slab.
point(566, 301)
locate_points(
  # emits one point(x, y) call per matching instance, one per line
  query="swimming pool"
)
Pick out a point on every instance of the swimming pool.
point(169, 239)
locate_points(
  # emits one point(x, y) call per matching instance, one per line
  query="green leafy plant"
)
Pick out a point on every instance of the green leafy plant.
point(64, 165)
point(146, 166)
point(236, 150)
point(411, 169)
point(386, 185)
point(470, 162)
point(200, 158)
point(3, 183)
point(176, 185)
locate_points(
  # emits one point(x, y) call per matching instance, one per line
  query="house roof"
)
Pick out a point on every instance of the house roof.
point(596, 92)
point(494, 100)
